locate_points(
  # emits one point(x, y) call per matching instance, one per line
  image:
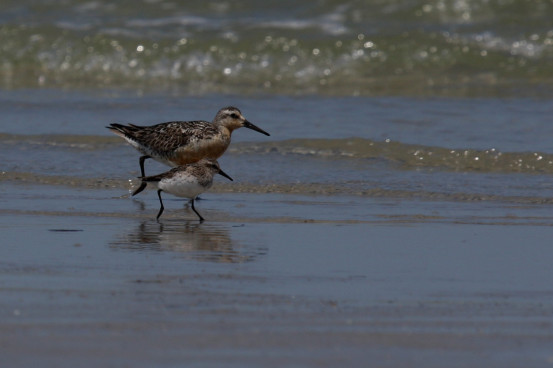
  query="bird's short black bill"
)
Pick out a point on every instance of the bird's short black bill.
point(249, 125)
point(222, 173)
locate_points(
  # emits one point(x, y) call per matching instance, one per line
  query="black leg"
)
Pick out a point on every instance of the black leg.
point(161, 202)
point(140, 188)
point(141, 161)
point(194, 209)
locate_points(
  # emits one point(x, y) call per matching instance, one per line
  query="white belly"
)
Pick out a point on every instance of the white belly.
point(182, 186)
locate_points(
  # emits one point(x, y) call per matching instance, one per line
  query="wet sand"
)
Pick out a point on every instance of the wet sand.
point(89, 279)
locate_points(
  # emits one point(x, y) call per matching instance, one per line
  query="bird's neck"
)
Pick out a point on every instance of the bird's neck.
point(225, 131)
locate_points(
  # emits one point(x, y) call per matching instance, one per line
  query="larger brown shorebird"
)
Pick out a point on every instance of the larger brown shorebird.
point(183, 142)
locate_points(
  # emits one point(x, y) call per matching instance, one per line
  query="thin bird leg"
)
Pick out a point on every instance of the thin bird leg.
point(141, 161)
point(194, 209)
point(140, 188)
point(161, 202)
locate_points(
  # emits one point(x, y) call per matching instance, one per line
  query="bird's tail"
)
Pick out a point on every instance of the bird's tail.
point(123, 130)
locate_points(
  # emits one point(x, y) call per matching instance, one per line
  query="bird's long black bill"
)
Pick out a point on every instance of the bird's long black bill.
point(249, 125)
point(222, 173)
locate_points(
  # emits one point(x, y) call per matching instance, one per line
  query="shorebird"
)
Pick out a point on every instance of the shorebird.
point(178, 143)
point(186, 181)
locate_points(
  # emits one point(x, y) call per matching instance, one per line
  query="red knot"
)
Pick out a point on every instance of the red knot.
point(183, 142)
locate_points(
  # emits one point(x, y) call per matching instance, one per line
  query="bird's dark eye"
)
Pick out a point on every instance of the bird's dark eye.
point(234, 115)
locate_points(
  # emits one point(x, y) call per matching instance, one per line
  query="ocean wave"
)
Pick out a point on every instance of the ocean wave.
point(469, 47)
point(62, 141)
point(407, 156)
point(397, 155)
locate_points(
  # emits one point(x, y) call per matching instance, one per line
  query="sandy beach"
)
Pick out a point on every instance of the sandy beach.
point(92, 285)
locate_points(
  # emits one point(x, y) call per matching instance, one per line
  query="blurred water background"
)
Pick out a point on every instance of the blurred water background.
point(332, 47)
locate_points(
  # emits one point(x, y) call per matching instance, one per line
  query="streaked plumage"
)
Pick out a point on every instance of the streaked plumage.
point(183, 142)
point(186, 181)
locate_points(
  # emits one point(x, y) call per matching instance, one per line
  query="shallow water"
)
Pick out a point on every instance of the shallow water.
point(446, 149)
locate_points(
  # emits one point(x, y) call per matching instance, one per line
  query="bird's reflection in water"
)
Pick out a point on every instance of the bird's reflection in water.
point(204, 242)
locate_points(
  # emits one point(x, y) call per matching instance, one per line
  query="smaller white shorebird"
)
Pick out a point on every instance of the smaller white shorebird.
point(186, 181)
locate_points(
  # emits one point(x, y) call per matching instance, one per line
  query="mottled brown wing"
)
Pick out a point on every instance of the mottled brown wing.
point(167, 137)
